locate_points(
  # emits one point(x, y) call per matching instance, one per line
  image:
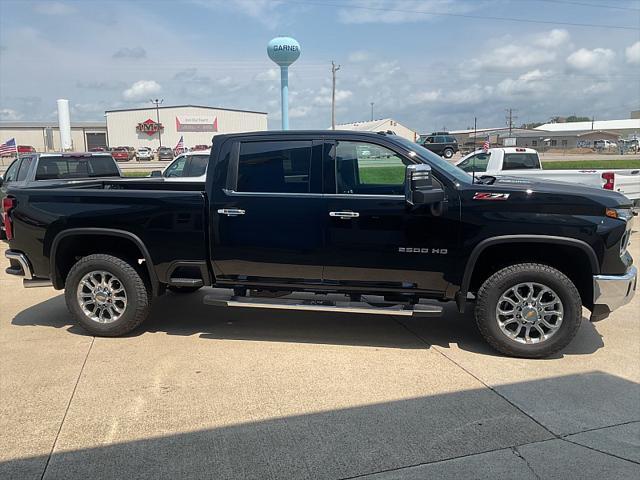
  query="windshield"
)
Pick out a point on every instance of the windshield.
point(435, 160)
point(53, 168)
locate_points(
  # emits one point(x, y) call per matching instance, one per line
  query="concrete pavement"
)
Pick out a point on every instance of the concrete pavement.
point(206, 392)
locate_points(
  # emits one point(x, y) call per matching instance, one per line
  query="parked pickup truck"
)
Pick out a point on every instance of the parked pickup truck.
point(331, 221)
point(524, 162)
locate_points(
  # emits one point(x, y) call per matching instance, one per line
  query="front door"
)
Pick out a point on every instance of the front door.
point(375, 240)
point(268, 224)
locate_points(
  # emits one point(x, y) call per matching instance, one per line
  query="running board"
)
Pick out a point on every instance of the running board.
point(324, 303)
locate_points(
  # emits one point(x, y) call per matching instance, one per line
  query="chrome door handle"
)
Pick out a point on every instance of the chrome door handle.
point(231, 212)
point(344, 214)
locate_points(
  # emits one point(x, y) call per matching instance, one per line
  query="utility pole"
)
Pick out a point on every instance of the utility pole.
point(510, 117)
point(157, 102)
point(334, 69)
point(372, 111)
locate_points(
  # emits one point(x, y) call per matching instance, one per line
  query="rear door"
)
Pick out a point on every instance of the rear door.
point(375, 240)
point(267, 224)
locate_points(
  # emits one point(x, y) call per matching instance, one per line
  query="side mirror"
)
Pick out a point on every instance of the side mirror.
point(419, 187)
point(156, 174)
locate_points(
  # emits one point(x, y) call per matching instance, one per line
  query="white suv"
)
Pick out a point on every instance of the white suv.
point(144, 153)
point(186, 167)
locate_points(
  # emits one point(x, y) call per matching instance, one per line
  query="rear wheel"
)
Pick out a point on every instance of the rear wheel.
point(107, 295)
point(528, 310)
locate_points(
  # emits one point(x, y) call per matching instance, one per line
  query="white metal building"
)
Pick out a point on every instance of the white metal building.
point(621, 127)
point(147, 127)
point(45, 136)
point(381, 125)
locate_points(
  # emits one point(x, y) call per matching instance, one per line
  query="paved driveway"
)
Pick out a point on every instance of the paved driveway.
point(203, 392)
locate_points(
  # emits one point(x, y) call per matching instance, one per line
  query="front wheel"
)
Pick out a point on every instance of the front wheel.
point(107, 295)
point(448, 153)
point(528, 310)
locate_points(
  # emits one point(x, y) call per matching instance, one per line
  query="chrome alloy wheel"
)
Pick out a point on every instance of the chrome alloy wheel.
point(529, 313)
point(102, 297)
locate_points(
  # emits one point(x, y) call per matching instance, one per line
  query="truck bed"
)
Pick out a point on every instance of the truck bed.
point(166, 217)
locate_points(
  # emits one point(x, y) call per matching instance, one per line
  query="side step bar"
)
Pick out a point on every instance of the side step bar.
point(324, 303)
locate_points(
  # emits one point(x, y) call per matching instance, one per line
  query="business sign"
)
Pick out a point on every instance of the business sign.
point(196, 123)
point(149, 127)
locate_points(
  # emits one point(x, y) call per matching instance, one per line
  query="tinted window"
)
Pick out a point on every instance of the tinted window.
point(50, 168)
point(176, 169)
point(519, 161)
point(450, 139)
point(280, 167)
point(365, 168)
point(24, 168)
point(198, 165)
point(475, 163)
point(440, 139)
point(10, 174)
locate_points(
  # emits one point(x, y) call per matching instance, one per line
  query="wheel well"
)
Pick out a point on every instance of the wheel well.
point(572, 261)
point(71, 248)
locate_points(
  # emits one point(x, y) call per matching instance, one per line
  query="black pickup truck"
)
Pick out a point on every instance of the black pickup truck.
point(331, 221)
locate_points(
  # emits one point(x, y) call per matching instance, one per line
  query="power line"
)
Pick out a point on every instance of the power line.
point(593, 5)
point(464, 15)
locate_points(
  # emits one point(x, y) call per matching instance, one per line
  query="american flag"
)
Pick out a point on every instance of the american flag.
point(485, 145)
point(180, 146)
point(8, 147)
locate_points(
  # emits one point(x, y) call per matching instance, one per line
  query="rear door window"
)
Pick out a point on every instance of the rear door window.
point(520, 161)
point(25, 166)
point(197, 165)
point(440, 139)
point(275, 166)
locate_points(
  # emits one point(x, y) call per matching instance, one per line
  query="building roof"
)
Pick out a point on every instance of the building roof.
point(52, 124)
point(184, 106)
point(567, 133)
point(629, 123)
point(368, 126)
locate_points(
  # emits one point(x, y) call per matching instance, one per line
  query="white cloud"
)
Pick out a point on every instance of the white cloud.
point(141, 90)
point(267, 75)
point(598, 88)
point(324, 96)
point(359, 56)
point(135, 52)
point(53, 8)
point(530, 82)
point(551, 39)
point(632, 53)
point(9, 114)
point(426, 97)
point(513, 56)
point(596, 59)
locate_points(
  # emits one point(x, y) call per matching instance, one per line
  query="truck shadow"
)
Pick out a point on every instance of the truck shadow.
point(186, 315)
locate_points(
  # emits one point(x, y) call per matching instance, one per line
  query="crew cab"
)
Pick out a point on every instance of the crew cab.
point(306, 220)
point(525, 162)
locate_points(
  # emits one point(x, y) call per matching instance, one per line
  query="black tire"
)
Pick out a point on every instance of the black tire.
point(137, 292)
point(175, 289)
point(500, 282)
point(448, 153)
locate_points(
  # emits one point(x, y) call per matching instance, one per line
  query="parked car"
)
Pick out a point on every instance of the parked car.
point(197, 148)
point(165, 153)
point(287, 211)
point(99, 149)
point(144, 153)
point(26, 149)
point(441, 144)
point(525, 162)
point(43, 169)
point(186, 167)
point(132, 153)
point(120, 154)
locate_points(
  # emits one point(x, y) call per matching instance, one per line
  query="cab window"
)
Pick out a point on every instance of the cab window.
point(475, 163)
point(176, 169)
point(275, 166)
point(366, 168)
point(11, 173)
point(198, 165)
point(520, 161)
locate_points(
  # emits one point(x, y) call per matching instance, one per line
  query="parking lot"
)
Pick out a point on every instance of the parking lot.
point(205, 392)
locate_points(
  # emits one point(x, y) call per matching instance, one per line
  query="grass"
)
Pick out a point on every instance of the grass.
point(595, 164)
point(382, 175)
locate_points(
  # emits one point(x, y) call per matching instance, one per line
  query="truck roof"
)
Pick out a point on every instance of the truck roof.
point(280, 133)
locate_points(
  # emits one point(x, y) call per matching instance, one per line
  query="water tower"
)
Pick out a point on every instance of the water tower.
point(284, 51)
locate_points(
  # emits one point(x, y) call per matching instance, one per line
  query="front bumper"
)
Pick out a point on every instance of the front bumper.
point(612, 291)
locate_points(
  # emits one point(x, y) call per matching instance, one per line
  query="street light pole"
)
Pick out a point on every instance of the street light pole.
point(334, 69)
point(157, 102)
point(372, 111)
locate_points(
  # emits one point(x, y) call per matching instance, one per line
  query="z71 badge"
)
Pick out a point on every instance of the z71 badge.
point(490, 196)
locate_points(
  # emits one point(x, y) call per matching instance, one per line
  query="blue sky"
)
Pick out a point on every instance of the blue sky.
point(427, 71)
